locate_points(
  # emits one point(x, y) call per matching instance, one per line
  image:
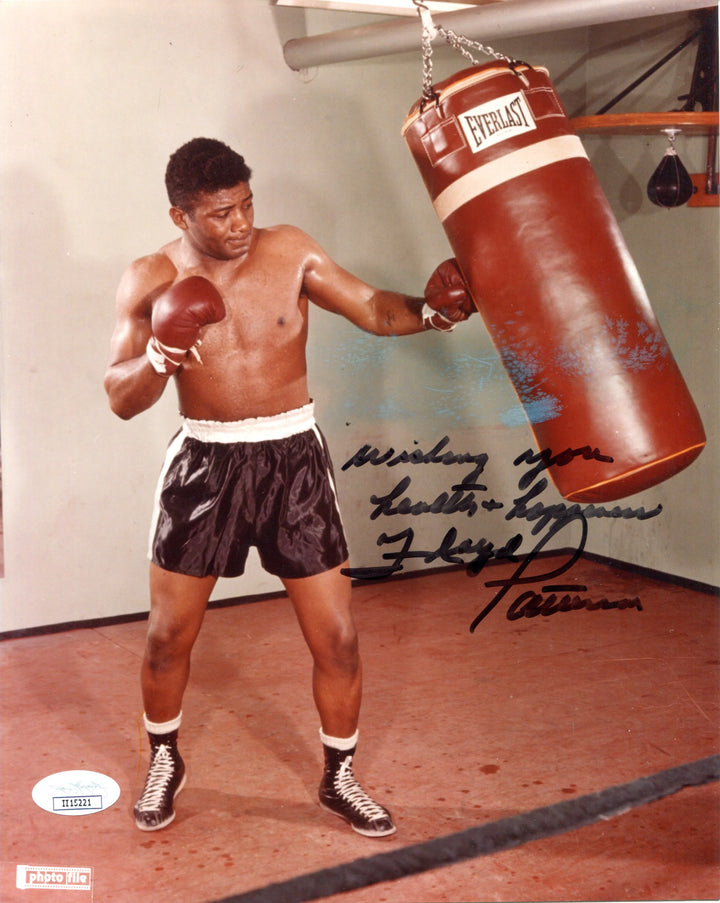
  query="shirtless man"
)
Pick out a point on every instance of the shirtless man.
point(224, 310)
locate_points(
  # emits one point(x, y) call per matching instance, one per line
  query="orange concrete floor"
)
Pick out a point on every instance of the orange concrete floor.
point(457, 730)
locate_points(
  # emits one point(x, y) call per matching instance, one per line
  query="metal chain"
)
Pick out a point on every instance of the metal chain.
point(458, 42)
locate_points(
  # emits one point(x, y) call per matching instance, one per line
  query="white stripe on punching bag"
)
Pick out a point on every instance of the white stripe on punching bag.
point(504, 169)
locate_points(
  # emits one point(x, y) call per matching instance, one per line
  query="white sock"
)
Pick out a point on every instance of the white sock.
point(162, 728)
point(341, 743)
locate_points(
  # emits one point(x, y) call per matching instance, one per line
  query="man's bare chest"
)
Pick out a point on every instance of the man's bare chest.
point(263, 317)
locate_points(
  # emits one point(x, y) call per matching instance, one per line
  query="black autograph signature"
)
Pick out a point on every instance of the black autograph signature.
point(548, 521)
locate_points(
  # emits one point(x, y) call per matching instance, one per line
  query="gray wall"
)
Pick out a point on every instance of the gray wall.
point(677, 255)
point(95, 96)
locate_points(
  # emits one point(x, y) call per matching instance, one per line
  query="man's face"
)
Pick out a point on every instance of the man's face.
point(221, 223)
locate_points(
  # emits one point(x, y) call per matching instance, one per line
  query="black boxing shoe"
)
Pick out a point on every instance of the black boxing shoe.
point(341, 794)
point(165, 779)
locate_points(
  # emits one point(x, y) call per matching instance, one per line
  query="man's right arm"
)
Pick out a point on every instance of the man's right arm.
point(131, 382)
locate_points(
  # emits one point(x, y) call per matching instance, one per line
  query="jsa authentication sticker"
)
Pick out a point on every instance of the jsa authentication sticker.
point(76, 793)
point(60, 877)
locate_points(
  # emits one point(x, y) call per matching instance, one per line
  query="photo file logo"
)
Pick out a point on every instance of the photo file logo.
point(35, 877)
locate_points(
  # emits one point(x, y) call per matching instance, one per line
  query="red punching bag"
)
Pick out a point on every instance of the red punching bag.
point(549, 271)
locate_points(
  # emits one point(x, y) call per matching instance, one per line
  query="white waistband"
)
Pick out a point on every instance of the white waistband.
point(254, 429)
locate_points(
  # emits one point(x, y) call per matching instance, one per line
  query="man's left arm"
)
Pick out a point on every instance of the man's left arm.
point(447, 299)
point(445, 303)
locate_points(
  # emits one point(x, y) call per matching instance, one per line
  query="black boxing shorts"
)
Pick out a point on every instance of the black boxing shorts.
point(264, 482)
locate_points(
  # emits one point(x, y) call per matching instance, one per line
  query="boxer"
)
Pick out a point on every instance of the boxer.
point(222, 310)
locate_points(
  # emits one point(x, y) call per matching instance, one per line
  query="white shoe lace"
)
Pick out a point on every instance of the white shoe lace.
point(353, 794)
point(162, 770)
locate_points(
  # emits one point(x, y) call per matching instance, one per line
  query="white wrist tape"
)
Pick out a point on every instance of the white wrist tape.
point(434, 319)
point(159, 357)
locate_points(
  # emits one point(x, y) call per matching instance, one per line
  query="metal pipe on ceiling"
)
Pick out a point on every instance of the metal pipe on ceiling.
point(508, 19)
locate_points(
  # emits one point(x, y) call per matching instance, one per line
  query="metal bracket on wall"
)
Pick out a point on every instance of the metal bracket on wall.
point(697, 116)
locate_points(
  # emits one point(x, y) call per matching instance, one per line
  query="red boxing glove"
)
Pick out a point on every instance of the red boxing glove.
point(178, 315)
point(447, 300)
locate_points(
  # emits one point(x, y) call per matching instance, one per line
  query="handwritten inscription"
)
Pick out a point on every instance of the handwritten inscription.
point(466, 498)
point(531, 604)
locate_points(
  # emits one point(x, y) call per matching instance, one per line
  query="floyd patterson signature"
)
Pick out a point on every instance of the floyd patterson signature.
point(466, 498)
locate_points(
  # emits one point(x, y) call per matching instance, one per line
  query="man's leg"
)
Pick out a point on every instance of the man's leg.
point(323, 607)
point(177, 608)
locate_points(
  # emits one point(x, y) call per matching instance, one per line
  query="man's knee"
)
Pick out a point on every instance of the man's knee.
point(177, 609)
point(340, 649)
point(167, 643)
